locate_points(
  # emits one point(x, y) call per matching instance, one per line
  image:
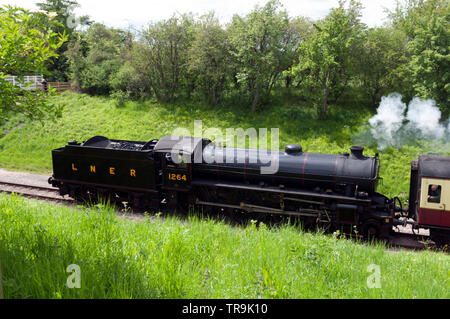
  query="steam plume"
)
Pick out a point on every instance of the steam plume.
point(392, 127)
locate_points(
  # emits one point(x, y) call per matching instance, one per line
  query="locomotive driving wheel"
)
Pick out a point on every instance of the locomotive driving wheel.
point(371, 229)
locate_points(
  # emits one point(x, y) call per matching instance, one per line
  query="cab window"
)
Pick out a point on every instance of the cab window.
point(179, 161)
point(434, 193)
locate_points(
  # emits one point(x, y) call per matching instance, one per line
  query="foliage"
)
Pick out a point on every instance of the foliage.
point(259, 43)
point(209, 58)
point(381, 62)
point(299, 30)
point(27, 42)
point(96, 57)
point(430, 59)
point(62, 11)
point(165, 46)
point(120, 97)
point(324, 61)
point(326, 57)
point(426, 24)
point(130, 82)
point(198, 59)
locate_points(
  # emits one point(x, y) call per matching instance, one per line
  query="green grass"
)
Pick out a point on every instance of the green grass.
point(28, 147)
point(195, 258)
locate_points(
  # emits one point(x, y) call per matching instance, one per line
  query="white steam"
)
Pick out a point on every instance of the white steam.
point(392, 127)
point(425, 115)
point(388, 120)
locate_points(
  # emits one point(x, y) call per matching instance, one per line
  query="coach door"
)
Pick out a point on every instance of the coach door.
point(435, 202)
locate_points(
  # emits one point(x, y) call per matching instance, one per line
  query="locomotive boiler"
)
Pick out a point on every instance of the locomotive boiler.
point(344, 174)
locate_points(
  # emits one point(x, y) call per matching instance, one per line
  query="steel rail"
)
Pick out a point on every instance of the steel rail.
point(34, 191)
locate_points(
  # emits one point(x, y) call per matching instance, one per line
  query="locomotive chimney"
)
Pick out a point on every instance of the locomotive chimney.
point(357, 151)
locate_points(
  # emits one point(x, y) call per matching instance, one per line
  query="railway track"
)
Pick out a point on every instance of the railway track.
point(404, 238)
point(33, 191)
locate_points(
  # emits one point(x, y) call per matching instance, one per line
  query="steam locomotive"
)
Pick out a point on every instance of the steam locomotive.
point(178, 173)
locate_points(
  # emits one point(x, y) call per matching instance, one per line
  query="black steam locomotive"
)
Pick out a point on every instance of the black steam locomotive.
point(334, 191)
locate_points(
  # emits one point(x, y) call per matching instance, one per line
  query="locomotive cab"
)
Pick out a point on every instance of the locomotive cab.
point(176, 154)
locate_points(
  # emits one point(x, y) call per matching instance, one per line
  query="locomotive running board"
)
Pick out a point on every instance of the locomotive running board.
point(280, 191)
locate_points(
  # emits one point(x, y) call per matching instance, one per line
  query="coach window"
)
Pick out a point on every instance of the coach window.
point(434, 193)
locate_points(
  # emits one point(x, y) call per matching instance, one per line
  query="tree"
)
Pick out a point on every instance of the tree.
point(165, 45)
point(298, 31)
point(381, 58)
point(258, 46)
point(63, 12)
point(26, 44)
point(96, 57)
point(405, 16)
point(327, 57)
point(209, 57)
point(426, 24)
point(430, 49)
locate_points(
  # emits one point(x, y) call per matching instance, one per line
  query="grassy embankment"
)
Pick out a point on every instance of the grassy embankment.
point(27, 147)
point(196, 258)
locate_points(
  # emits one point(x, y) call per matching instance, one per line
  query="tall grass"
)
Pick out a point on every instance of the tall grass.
point(195, 258)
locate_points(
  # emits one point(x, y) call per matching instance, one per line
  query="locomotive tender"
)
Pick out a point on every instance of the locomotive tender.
point(334, 191)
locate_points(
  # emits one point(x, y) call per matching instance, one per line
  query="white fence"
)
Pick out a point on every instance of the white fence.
point(35, 80)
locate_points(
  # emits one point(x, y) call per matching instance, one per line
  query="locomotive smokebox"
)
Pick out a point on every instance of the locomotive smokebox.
point(357, 152)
